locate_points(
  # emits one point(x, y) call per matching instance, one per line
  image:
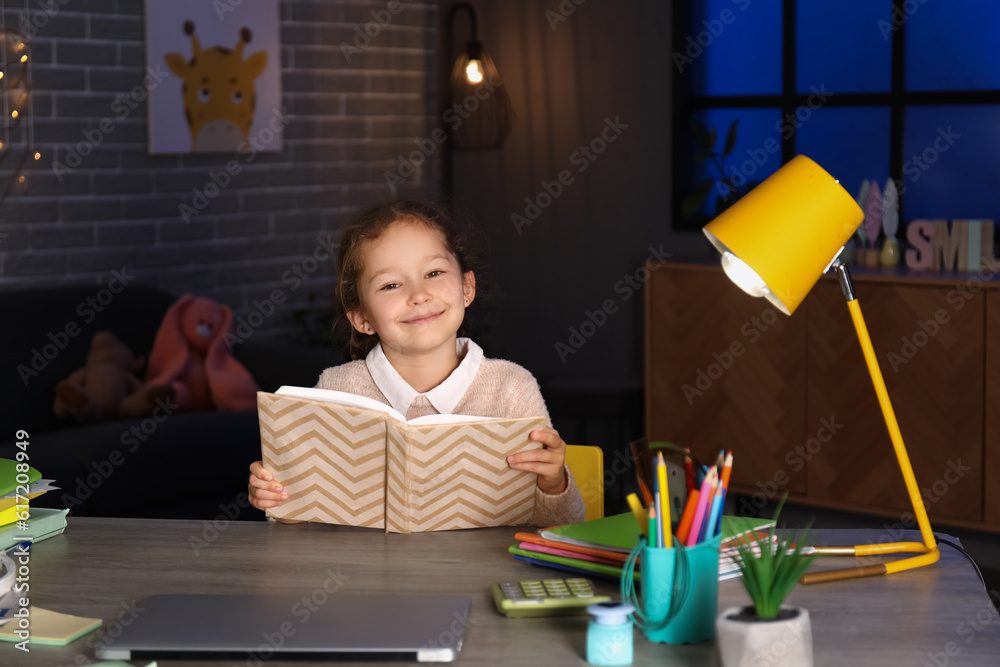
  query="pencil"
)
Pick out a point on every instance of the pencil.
point(727, 470)
point(713, 492)
point(697, 524)
point(688, 473)
point(658, 504)
point(715, 512)
point(640, 513)
point(684, 525)
point(647, 497)
point(652, 526)
point(661, 476)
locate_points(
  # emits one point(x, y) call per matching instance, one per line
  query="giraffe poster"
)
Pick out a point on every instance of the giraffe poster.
point(219, 67)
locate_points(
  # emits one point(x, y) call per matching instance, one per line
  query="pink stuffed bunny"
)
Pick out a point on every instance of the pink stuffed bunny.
point(190, 353)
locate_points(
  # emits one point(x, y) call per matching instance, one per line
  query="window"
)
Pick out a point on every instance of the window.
point(901, 89)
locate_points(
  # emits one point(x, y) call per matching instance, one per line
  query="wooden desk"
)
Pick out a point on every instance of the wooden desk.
point(105, 567)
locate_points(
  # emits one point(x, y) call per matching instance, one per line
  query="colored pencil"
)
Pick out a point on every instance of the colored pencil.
point(713, 492)
point(652, 526)
point(661, 476)
point(684, 526)
point(688, 473)
point(657, 538)
point(727, 470)
point(697, 524)
point(639, 511)
point(714, 513)
point(647, 497)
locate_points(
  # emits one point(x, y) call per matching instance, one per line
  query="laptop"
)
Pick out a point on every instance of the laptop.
point(430, 627)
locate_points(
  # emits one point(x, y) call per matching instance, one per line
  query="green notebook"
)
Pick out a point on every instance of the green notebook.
point(8, 476)
point(620, 532)
point(44, 523)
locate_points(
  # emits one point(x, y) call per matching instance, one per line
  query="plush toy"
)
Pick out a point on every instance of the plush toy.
point(190, 354)
point(107, 387)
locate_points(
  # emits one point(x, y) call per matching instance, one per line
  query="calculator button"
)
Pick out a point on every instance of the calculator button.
point(533, 589)
point(557, 588)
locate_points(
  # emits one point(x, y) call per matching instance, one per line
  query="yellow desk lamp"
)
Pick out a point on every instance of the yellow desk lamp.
point(776, 242)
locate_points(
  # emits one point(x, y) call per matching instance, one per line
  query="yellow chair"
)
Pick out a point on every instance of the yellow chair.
point(587, 465)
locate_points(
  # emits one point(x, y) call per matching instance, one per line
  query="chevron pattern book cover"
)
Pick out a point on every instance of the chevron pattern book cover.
point(359, 466)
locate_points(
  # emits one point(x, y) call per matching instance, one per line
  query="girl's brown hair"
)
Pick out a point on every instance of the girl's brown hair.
point(368, 226)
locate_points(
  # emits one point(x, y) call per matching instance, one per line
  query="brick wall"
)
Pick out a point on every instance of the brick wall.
point(95, 202)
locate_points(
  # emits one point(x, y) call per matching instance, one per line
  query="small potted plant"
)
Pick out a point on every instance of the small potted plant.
point(767, 632)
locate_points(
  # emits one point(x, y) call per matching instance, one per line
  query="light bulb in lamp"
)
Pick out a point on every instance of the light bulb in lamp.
point(742, 275)
point(474, 71)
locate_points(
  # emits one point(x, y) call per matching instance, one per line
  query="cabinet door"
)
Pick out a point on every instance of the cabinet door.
point(929, 345)
point(992, 402)
point(725, 371)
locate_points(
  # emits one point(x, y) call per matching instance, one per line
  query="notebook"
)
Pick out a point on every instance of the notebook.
point(259, 627)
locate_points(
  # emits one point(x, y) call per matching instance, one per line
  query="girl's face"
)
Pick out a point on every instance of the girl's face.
point(413, 292)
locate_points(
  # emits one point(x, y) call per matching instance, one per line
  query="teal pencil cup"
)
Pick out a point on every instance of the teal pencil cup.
point(679, 592)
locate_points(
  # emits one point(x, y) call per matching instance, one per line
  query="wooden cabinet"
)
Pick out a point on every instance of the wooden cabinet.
point(793, 398)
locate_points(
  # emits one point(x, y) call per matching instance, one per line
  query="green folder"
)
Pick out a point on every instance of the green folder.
point(620, 532)
point(8, 476)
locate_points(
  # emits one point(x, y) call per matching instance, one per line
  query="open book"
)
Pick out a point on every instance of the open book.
point(350, 460)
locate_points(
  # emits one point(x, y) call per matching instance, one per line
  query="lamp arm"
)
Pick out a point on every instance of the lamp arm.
point(919, 511)
point(472, 17)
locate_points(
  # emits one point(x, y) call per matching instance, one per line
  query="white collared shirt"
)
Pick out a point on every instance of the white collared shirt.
point(444, 397)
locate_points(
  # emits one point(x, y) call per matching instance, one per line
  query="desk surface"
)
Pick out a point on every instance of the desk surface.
point(104, 567)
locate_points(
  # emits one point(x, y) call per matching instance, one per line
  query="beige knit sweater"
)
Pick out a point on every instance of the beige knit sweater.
point(501, 390)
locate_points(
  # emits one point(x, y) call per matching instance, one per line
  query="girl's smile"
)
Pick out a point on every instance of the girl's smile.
point(423, 319)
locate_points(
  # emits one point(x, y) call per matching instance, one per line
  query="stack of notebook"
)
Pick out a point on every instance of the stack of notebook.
point(19, 522)
point(599, 548)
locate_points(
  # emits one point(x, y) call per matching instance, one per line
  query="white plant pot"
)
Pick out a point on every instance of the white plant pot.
point(778, 643)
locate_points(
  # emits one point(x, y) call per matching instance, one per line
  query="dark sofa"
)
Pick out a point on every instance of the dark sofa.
point(182, 465)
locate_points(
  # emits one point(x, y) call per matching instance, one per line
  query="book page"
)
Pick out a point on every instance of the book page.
point(340, 398)
point(353, 400)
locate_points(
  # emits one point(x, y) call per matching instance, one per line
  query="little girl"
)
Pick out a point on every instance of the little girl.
point(404, 282)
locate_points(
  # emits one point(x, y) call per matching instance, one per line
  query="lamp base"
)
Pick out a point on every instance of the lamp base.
point(926, 557)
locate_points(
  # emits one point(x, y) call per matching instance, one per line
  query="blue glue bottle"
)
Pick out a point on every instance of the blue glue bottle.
point(609, 636)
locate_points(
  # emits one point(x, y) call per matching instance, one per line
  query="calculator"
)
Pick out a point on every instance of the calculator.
point(545, 597)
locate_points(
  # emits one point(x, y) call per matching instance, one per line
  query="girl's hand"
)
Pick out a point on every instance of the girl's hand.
point(264, 492)
point(548, 461)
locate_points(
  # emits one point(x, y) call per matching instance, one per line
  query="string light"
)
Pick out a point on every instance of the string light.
point(16, 138)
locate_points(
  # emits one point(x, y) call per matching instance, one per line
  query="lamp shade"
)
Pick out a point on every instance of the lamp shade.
point(484, 115)
point(781, 236)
